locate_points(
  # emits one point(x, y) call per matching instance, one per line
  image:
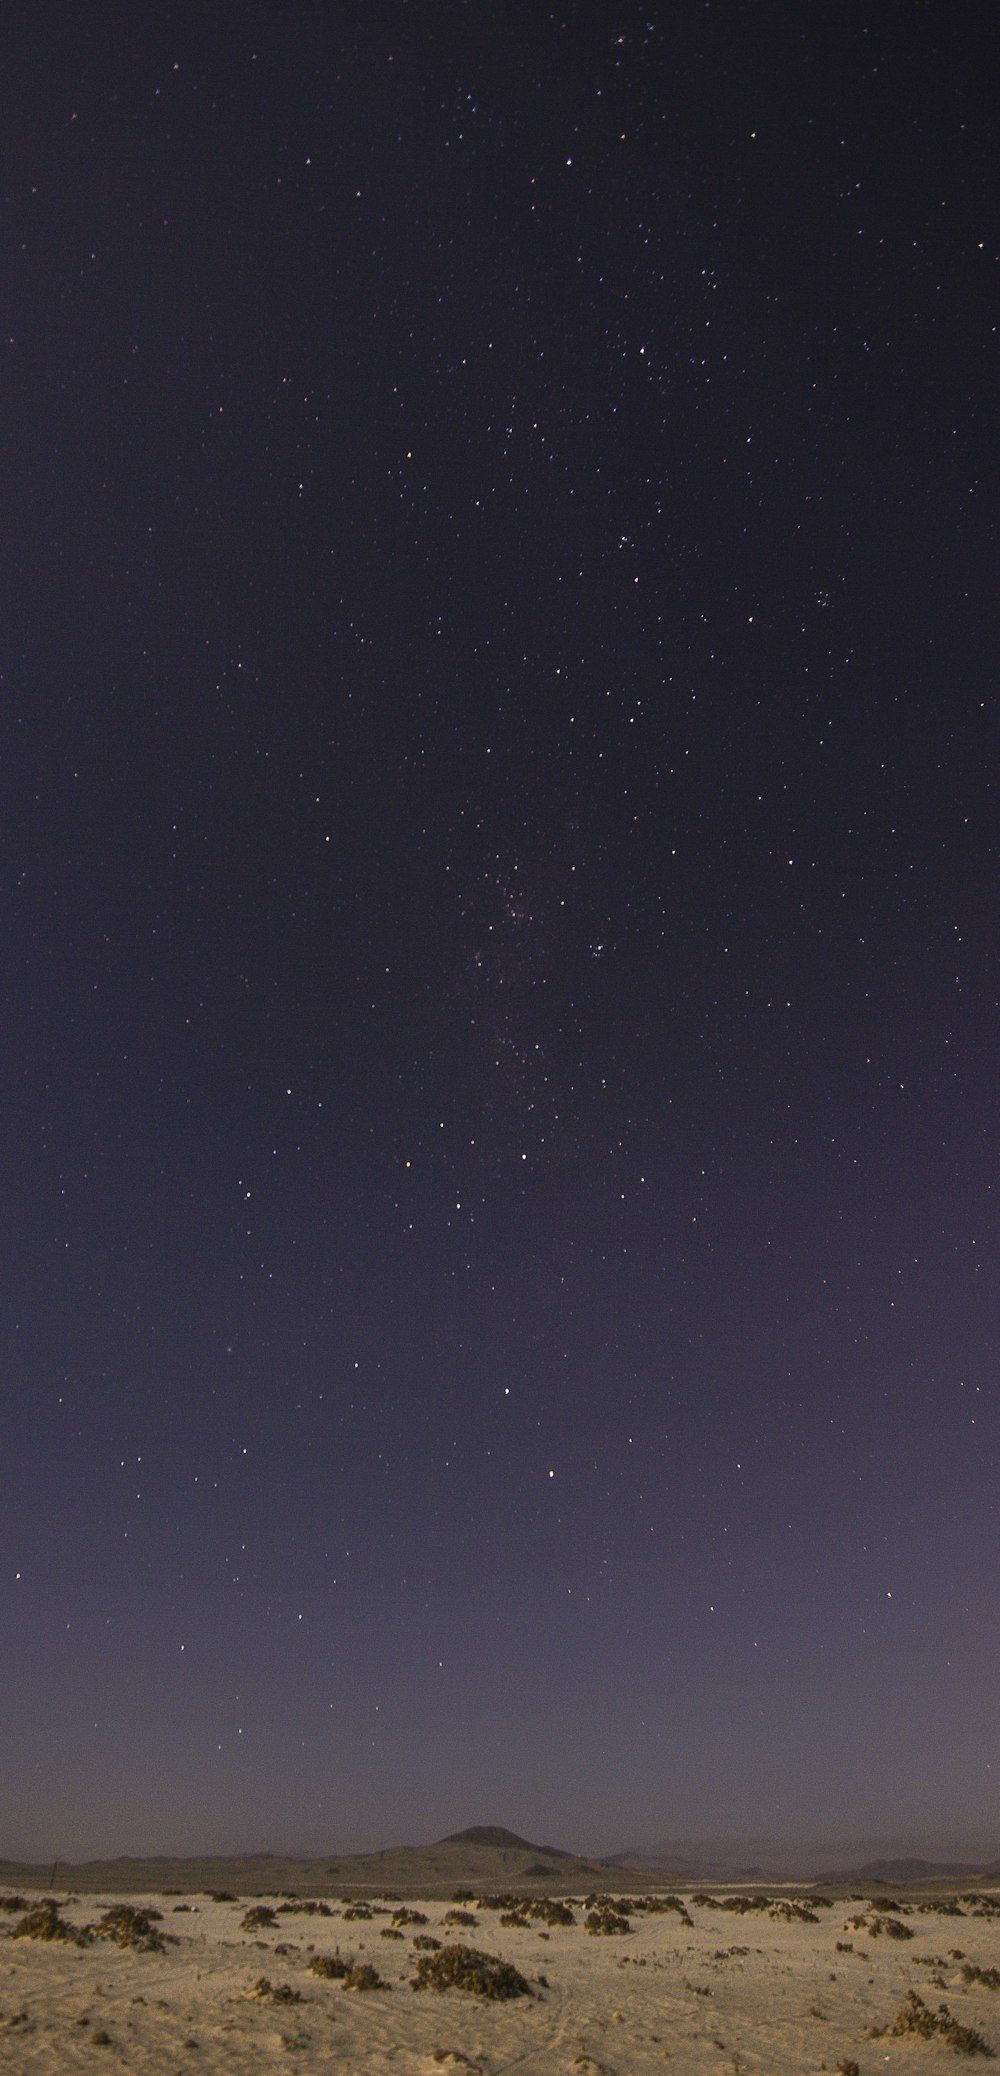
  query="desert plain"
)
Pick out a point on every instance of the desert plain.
point(514, 1971)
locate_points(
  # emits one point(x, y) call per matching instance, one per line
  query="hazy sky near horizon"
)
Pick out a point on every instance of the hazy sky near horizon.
point(499, 1056)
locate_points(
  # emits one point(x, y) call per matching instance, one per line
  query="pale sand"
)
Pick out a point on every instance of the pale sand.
point(728, 1992)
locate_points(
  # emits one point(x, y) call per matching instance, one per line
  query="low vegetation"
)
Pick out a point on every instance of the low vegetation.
point(877, 1920)
point(989, 1977)
point(606, 1921)
point(130, 1927)
point(917, 2017)
point(466, 1968)
point(363, 1977)
point(258, 1919)
point(44, 1922)
point(330, 1966)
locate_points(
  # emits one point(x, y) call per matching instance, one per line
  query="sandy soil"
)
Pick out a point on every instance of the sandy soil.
point(729, 1991)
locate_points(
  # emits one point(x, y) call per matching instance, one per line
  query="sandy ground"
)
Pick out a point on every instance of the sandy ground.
point(728, 1992)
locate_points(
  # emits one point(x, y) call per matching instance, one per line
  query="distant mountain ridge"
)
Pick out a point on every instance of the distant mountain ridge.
point(838, 1861)
point(505, 1841)
point(482, 1857)
point(911, 1870)
point(490, 1857)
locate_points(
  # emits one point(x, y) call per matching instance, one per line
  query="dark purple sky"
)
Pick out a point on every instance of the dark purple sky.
point(500, 1044)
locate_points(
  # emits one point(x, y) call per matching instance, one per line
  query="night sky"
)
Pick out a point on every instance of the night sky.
point(500, 1056)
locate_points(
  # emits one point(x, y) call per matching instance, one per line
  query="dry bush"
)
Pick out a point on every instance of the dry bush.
point(363, 1977)
point(876, 1921)
point(989, 1977)
point(330, 1965)
point(425, 1942)
point(44, 1922)
point(606, 1921)
point(656, 1905)
point(257, 1919)
point(459, 1917)
point(917, 2017)
point(550, 1911)
point(130, 1927)
point(275, 1992)
point(466, 1968)
point(13, 1903)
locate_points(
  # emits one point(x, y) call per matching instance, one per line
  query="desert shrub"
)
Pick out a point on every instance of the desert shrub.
point(130, 1927)
point(459, 1917)
point(989, 1977)
point(257, 1919)
point(500, 1903)
point(275, 1992)
point(463, 1896)
point(875, 1922)
point(515, 1919)
point(363, 1977)
point(12, 1903)
point(425, 1942)
point(788, 1910)
point(390, 1932)
point(44, 1922)
point(466, 1968)
point(606, 1921)
point(304, 1907)
point(917, 2017)
point(409, 1917)
point(550, 1911)
point(329, 1965)
point(222, 1896)
point(359, 1910)
point(656, 1905)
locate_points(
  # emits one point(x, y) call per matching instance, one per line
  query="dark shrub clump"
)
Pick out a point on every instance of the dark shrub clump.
point(466, 1968)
